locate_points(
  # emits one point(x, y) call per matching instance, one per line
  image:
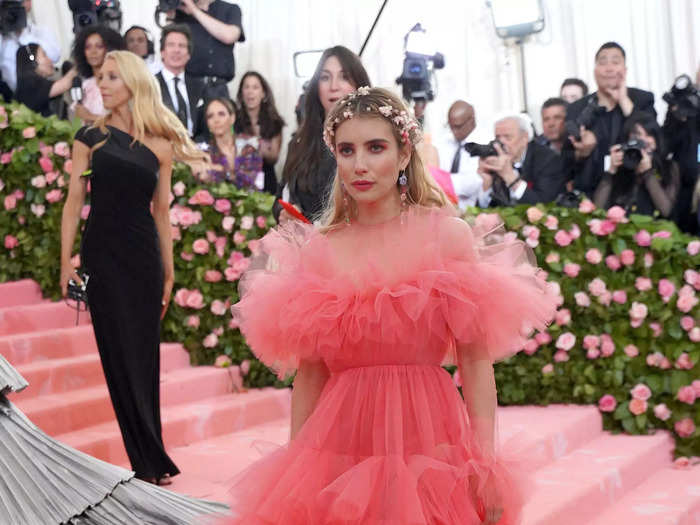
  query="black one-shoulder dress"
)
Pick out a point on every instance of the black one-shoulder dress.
point(121, 253)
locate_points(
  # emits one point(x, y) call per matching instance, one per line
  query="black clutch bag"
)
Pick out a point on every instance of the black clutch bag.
point(77, 295)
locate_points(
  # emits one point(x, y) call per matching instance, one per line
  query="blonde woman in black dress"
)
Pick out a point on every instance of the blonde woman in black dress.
point(127, 156)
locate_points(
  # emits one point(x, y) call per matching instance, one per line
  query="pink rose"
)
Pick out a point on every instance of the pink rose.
point(566, 341)
point(692, 278)
point(51, 176)
point(687, 323)
point(562, 238)
point(175, 233)
point(696, 386)
point(543, 338)
point(234, 257)
point(685, 427)
point(193, 321)
point(552, 257)
point(222, 205)
point(181, 297)
point(29, 133)
point(694, 334)
point(37, 209)
point(18, 194)
point(572, 269)
point(201, 198)
point(195, 300)
point(641, 391)
point(683, 362)
point(591, 341)
point(662, 412)
point(85, 211)
point(586, 206)
point(245, 367)
point(218, 307)
point(548, 368)
point(582, 299)
point(666, 289)
point(656, 329)
point(54, 196)
point(642, 238)
point(232, 274)
point(602, 228)
point(613, 262)
point(238, 237)
point(592, 353)
point(597, 286)
point(46, 164)
point(607, 347)
point(638, 407)
point(211, 340)
point(218, 331)
point(11, 242)
point(638, 311)
point(575, 231)
point(530, 347)
point(551, 223)
point(662, 234)
point(642, 284)
point(68, 166)
point(563, 317)
point(561, 356)
point(693, 247)
point(631, 351)
point(222, 361)
point(607, 403)
point(6, 158)
point(213, 276)
point(686, 303)
point(619, 296)
point(200, 246)
point(686, 394)
point(681, 462)
point(627, 257)
point(227, 223)
point(246, 222)
point(655, 359)
point(242, 265)
point(61, 149)
point(648, 260)
point(220, 246)
point(10, 202)
point(534, 214)
point(616, 214)
point(254, 246)
point(260, 221)
point(685, 289)
point(211, 236)
point(594, 256)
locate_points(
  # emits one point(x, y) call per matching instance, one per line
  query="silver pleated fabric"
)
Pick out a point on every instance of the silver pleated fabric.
point(43, 481)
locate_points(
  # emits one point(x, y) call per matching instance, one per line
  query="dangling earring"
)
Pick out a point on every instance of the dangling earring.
point(403, 189)
point(346, 205)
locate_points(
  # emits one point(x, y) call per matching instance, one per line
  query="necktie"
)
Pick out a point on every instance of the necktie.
point(455, 160)
point(181, 104)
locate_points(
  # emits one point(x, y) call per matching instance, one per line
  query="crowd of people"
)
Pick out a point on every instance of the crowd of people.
point(606, 145)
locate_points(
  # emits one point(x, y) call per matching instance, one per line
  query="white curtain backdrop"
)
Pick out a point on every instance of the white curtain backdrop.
point(661, 38)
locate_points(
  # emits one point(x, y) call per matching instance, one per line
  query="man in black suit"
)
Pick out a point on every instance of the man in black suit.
point(181, 93)
point(523, 172)
point(584, 157)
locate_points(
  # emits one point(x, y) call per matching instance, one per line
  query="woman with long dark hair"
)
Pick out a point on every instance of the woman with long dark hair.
point(259, 118)
point(310, 167)
point(34, 88)
point(641, 180)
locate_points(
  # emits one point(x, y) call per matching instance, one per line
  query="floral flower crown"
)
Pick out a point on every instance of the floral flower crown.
point(408, 127)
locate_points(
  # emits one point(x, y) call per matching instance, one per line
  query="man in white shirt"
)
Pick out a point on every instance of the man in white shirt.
point(31, 33)
point(455, 160)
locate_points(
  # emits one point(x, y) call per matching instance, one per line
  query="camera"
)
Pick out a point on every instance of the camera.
point(418, 68)
point(482, 150)
point(586, 118)
point(632, 153)
point(163, 7)
point(684, 96)
point(93, 12)
point(13, 17)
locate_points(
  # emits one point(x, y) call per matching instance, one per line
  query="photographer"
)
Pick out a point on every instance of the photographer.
point(521, 171)
point(216, 27)
point(639, 178)
point(682, 135)
point(20, 36)
point(583, 154)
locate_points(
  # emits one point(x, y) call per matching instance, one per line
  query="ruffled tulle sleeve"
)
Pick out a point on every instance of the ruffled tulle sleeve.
point(270, 312)
point(499, 295)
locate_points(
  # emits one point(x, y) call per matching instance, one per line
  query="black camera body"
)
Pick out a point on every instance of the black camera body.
point(482, 150)
point(415, 78)
point(13, 17)
point(95, 12)
point(167, 5)
point(586, 118)
point(632, 153)
point(685, 97)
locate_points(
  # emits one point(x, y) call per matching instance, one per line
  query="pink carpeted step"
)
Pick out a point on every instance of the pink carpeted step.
point(68, 374)
point(547, 433)
point(79, 409)
point(190, 423)
point(43, 316)
point(18, 293)
point(670, 496)
point(47, 344)
point(574, 489)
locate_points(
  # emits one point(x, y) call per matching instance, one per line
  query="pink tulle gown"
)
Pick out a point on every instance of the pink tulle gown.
point(389, 441)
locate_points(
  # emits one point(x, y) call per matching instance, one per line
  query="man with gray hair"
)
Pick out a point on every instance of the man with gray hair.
point(523, 171)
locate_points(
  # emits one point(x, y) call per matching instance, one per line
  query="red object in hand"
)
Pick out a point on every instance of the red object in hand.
point(291, 210)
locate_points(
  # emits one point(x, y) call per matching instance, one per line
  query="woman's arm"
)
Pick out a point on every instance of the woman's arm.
point(308, 384)
point(603, 191)
point(161, 216)
point(663, 197)
point(63, 84)
point(270, 148)
point(479, 391)
point(71, 211)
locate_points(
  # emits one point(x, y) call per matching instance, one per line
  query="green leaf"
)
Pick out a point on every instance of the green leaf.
point(629, 424)
point(622, 411)
point(641, 421)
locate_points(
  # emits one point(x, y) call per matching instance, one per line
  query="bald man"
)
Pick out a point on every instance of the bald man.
point(454, 159)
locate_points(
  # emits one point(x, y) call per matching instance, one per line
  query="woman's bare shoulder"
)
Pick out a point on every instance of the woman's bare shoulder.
point(162, 148)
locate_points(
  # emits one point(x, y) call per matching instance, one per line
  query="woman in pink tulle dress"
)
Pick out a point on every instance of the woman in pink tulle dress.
point(366, 308)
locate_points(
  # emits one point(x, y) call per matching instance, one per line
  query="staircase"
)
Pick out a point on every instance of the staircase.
point(583, 476)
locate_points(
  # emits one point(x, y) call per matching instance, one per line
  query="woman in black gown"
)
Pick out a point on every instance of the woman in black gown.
point(127, 249)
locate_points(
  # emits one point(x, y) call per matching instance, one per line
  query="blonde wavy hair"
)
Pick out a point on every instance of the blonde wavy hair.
point(150, 116)
point(382, 104)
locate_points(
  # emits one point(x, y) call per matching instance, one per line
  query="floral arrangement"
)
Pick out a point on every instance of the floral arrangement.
point(625, 336)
